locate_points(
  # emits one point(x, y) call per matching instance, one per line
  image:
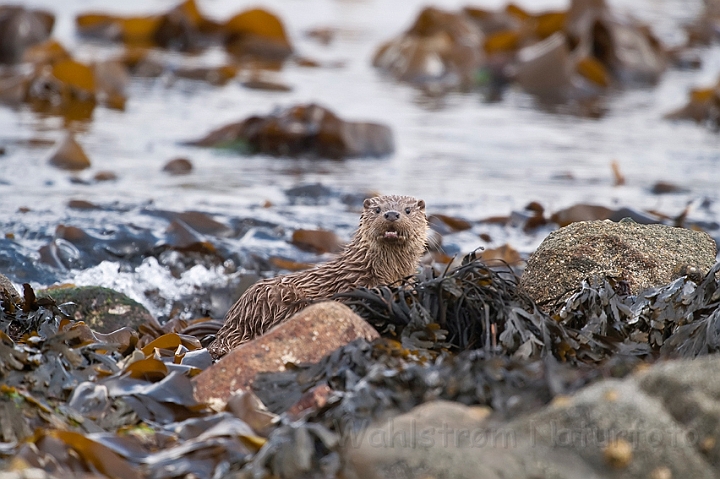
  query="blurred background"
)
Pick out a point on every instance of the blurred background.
point(500, 116)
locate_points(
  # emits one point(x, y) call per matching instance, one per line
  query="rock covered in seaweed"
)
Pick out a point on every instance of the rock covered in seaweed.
point(249, 35)
point(575, 54)
point(640, 256)
point(441, 47)
point(103, 309)
point(303, 131)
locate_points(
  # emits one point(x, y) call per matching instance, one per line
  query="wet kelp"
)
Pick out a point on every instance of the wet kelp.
point(600, 331)
point(121, 404)
point(478, 307)
point(470, 307)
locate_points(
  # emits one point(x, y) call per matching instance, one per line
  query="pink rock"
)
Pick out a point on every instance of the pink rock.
point(306, 337)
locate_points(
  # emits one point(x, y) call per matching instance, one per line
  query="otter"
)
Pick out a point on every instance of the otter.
point(387, 247)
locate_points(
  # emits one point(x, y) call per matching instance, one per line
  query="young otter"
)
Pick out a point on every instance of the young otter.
point(386, 247)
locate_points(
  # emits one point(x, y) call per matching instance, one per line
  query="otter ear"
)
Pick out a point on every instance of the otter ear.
point(421, 204)
point(367, 203)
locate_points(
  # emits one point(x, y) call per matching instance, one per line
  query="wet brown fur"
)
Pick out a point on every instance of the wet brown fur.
point(372, 258)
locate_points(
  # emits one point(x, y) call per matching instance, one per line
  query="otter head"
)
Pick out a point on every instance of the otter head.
point(394, 221)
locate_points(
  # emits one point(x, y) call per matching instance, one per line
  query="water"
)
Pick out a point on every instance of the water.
point(462, 155)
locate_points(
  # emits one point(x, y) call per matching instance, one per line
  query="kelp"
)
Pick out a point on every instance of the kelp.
point(72, 400)
point(476, 306)
point(121, 404)
point(470, 307)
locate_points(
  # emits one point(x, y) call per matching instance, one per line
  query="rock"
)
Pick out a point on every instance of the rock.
point(705, 27)
point(178, 166)
point(701, 108)
point(309, 194)
point(317, 241)
point(69, 155)
point(690, 391)
point(448, 224)
point(546, 68)
point(665, 187)
point(218, 76)
point(581, 212)
point(659, 423)
point(257, 33)
point(617, 430)
point(105, 176)
point(503, 254)
point(641, 255)
point(48, 51)
point(112, 79)
point(83, 205)
point(183, 28)
point(303, 131)
point(576, 54)
point(266, 85)
point(8, 288)
point(626, 48)
point(446, 439)
point(103, 309)
point(441, 49)
point(21, 28)
point(306, 337)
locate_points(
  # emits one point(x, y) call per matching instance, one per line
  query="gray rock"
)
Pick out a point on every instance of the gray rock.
point(592, 423)
point(446, 440)
point(690, 391)
point(642, 255)
point(660, 423)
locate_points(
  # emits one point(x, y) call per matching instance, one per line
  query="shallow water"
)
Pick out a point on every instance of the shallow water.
point(463, 155)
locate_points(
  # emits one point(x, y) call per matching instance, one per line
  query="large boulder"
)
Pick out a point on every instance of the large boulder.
point(302, 131)
point(641, 256)
point(661, 423)
point(306, 337)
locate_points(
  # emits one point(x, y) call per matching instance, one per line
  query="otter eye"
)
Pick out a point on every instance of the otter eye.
point(407, 210)
point(377, 210)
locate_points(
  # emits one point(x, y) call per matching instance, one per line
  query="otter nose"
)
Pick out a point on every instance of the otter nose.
point(392, 216)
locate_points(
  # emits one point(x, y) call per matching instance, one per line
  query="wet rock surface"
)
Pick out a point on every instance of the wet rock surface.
point(460, 341)
point(302, 131)
point(639, 256)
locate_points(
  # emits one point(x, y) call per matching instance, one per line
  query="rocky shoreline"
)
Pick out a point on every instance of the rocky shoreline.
point(592, 386)
point(156, 163)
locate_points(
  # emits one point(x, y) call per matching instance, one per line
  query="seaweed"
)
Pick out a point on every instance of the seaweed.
point(470, 307)
point(121, 404)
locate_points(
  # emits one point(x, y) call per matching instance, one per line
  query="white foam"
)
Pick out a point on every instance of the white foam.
point(150, 275)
